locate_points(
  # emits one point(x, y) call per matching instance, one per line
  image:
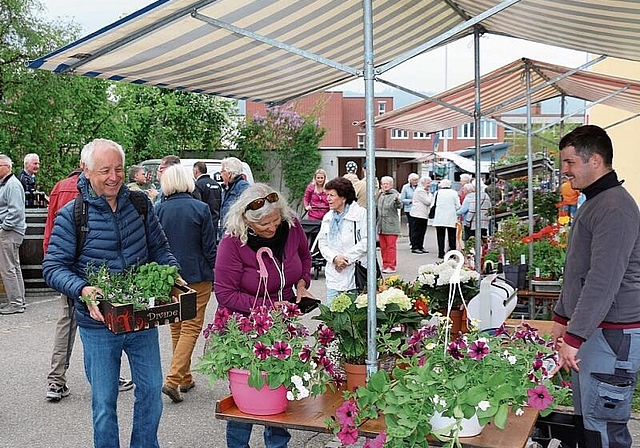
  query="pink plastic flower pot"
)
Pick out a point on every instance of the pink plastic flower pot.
point(253, 401)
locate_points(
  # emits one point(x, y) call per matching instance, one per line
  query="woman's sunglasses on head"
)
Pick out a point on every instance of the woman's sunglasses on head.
point(257, 204)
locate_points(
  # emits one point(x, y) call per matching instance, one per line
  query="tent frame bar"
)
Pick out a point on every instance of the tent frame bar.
point(274, 43)
point(530, 90)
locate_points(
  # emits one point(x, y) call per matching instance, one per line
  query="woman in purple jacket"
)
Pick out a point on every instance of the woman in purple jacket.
point(260, 218)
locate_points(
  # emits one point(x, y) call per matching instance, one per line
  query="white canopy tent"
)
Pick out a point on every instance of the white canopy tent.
point(275, 50)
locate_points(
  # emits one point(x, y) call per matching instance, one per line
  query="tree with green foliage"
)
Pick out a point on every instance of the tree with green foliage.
point(282, 141)
point(55, 115)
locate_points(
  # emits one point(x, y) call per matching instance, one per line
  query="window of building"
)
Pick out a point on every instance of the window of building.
point(399, 134)
point(361, 140)
point(488, 129)
point(420, 135)
point(467, 130)
point(446, 134)
point(382, 107)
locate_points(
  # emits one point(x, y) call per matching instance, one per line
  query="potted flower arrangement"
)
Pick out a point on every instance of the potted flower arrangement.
point(346, 317)
point(271, 349)
point(455, 376)
point(434, 280)
point(549, 255)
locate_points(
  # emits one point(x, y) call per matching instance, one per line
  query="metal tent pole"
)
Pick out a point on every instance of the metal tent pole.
point(477, 116)
point(372, 351)
point(529, 160)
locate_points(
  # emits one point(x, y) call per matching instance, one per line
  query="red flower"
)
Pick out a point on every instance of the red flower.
point(421, 307)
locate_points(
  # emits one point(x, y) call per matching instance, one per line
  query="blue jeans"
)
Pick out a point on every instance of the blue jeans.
point(238, 435)
point(102, 356)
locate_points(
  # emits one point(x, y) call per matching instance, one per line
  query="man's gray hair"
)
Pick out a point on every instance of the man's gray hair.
point(86, 156)
point(28, 158)
point(6, 159)
point(413, 176)
point(233, 165)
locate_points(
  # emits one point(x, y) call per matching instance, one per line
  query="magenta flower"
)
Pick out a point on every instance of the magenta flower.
point(325, 335)
point(348, 436)
point(346, 413)
point(454, 350)
point(539, 398)
point(305, 354)
point(378, 442)
point(262, 323)
point(220, 320)
point(281, 350)
point(245, 325)
point(261, 351)
point(478, 349)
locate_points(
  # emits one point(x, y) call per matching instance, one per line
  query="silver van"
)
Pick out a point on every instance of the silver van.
point(213, 169)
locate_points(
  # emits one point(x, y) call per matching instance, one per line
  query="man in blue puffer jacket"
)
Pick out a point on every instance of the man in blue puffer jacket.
point(118, 238)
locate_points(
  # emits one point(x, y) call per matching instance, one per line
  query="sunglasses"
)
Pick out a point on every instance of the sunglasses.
point(257, 204)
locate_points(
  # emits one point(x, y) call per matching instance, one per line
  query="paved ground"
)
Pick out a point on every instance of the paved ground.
point(28, 420)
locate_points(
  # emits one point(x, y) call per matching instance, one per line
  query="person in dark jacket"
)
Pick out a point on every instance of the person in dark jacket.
point(210, 192)
point(118, 238)
point(261, 218)
point(234, 185)
point(187, 223)
point(597, 318)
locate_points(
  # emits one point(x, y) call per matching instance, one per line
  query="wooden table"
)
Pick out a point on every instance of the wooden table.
point(309, 414)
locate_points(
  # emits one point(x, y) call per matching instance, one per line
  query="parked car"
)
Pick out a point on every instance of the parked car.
point(213, 169)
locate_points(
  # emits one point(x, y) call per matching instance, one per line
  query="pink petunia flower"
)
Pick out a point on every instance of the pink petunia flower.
point(478, 349)
point(454, 350)
point(281, 350)
point(378, 442)
point(261, 351)
point(348, 436)
point(305, 354)
point(262, 323)
point(346, 413)
point(539, 398)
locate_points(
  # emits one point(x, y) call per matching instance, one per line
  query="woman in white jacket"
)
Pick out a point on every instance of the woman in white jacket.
point(422, 200)
point(447, 203)
point(342, 239)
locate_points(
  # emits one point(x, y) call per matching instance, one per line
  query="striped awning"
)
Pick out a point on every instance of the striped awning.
point(226, 47)
point(504, 90)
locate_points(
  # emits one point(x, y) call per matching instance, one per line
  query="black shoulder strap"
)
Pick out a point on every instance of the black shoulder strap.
point(80, 216)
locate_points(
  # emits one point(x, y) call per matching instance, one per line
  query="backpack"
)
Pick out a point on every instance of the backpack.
point(80, 216)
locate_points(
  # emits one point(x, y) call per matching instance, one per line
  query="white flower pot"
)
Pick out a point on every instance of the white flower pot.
point(469, 427)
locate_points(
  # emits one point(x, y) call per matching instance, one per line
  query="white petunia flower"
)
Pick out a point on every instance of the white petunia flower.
point(484, 405)
point(290, 396)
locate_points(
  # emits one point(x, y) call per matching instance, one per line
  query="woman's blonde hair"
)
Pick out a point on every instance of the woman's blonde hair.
point(238, 217)
point(175, 179)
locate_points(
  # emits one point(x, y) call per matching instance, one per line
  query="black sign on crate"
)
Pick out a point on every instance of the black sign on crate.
point(121, 318)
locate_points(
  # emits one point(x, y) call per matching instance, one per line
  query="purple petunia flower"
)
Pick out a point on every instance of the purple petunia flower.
point(245, 325)
point(478, 349)
point(325, 335)
point(262, 323)
point(261, 351)
point(281, 350)
point(305, 354)
point(454, 350)
point(539, 398)
point(378, 442)
point(348, 436)
point(220, 320)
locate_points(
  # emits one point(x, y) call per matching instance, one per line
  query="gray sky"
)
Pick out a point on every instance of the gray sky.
point(432, 72)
